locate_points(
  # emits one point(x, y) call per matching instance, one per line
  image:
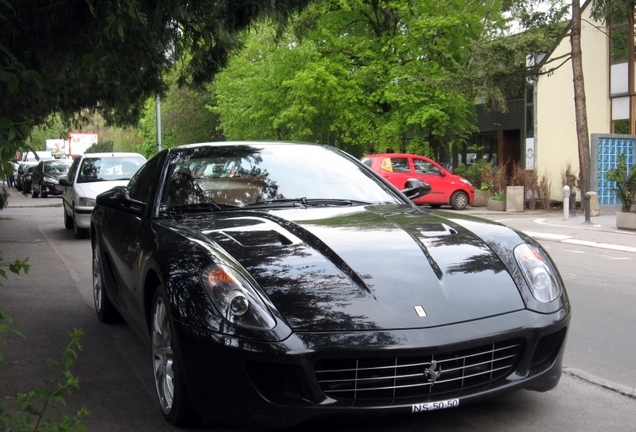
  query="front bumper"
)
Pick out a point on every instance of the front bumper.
point(82, 216)
point(52, 189)
point(244, 383)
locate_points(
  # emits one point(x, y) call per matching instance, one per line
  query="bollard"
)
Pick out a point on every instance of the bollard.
point(566, 202)
point(572, 203)
point(587, 209)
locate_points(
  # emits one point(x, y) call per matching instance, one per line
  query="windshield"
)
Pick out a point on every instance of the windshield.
point(56, 169)
point(94, 169)
point(260, 174)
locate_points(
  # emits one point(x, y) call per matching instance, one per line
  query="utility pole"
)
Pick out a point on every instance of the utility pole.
point(158, 104)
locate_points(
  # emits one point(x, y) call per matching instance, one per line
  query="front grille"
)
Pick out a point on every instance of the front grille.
point(547, 350)
point(277, 382)
point(390, 378)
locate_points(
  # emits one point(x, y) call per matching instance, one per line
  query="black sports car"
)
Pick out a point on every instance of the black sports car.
point(276, 283)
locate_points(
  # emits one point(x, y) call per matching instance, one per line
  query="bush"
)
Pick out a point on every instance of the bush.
point(480, 174)
point(625, 179)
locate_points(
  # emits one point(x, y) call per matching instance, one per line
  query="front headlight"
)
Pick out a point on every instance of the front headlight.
point(86, 202)
point(50, 181)
point(466, 181)
point(235, 298)
point(538, 272)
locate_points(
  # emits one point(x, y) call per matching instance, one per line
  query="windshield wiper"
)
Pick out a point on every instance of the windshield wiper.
point(334, 202)
point(282, 202)
point(185, 208)
point(306, 202)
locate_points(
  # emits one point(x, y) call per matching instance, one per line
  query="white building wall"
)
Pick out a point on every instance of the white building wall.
point(556, 142)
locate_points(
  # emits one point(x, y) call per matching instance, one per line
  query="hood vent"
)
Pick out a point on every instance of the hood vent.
point(436, 230)
point(254, 238)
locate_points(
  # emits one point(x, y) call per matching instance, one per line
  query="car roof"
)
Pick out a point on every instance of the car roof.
point(379, 155)
point(109, 154)
point(249, 143)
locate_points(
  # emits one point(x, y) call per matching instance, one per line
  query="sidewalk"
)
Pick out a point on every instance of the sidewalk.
point(601, 232)
point(17, 199)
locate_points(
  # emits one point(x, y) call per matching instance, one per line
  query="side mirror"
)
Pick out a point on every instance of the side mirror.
point(65, 182)
point(414, 188)
point(118, 198)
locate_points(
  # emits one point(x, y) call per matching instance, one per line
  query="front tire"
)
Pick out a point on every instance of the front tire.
point(104, 308)
point(34, 194)
point(42, 192)
point(68, 220)
point(170, 384)
point(459, 200)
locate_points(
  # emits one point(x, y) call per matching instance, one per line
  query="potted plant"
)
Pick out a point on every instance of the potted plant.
point(625, 191)
point(497, 202)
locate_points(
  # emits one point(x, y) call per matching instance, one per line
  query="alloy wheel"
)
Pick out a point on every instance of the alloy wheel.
point(98, 291)
point(162, 355)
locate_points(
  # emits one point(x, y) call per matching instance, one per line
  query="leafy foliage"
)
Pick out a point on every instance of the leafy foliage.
point(185, 118)
point(105, 56)
point(625, 179)
point(102, 146)
point(30, 411)
point(369, 76)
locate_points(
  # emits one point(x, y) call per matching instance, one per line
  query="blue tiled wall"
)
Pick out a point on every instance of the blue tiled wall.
point(608, 150)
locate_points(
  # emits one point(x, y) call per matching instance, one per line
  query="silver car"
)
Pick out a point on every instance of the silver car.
point(89, 175)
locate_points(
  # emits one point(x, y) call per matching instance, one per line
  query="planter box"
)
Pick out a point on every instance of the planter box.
point(626, 220)
point(514, 198)
point(481, 198)
point(496, 205)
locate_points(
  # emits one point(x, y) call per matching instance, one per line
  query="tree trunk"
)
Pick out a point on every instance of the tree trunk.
point(579, 99)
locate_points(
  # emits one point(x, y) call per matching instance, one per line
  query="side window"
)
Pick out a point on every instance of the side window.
point(424, 167)
point(73, 170)
point(141, 184)
point(400, 165)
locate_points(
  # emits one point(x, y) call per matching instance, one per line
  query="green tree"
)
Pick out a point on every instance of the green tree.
point(101, 147)
point(185, 118)
point(370, 76)
point(108, 57)
point(359, 74)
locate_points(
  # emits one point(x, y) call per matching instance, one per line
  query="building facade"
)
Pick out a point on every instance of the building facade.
point(539, 130)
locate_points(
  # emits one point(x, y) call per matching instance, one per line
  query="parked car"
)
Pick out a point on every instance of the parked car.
point(447, 188)
point(303, 285)
point(25, 179)
point(89, 175)
point(22, 167)
point(46, 177)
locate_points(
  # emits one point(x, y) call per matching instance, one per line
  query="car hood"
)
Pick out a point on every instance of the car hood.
point(366, 268)
point(91, 190)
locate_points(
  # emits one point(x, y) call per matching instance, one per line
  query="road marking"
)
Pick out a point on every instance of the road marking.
point(569, 240)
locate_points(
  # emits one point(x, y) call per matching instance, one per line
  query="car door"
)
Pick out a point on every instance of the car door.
point(69, 191)
point(37, 176)
point(433, 174)
point(131, 242)
point(396, 169)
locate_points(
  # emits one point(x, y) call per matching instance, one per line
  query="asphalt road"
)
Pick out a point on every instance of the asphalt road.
point(114, 367)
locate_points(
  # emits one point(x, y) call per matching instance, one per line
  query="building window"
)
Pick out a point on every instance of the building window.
point(622, 72)
point(620, 43)
point(620, 127)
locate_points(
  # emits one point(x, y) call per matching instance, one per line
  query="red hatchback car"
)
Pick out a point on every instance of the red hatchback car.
point(446, 187)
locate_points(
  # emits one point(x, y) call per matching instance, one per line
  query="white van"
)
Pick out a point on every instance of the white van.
point(42, 155)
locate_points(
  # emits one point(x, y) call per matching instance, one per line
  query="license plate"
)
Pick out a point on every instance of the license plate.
point(430, 406)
